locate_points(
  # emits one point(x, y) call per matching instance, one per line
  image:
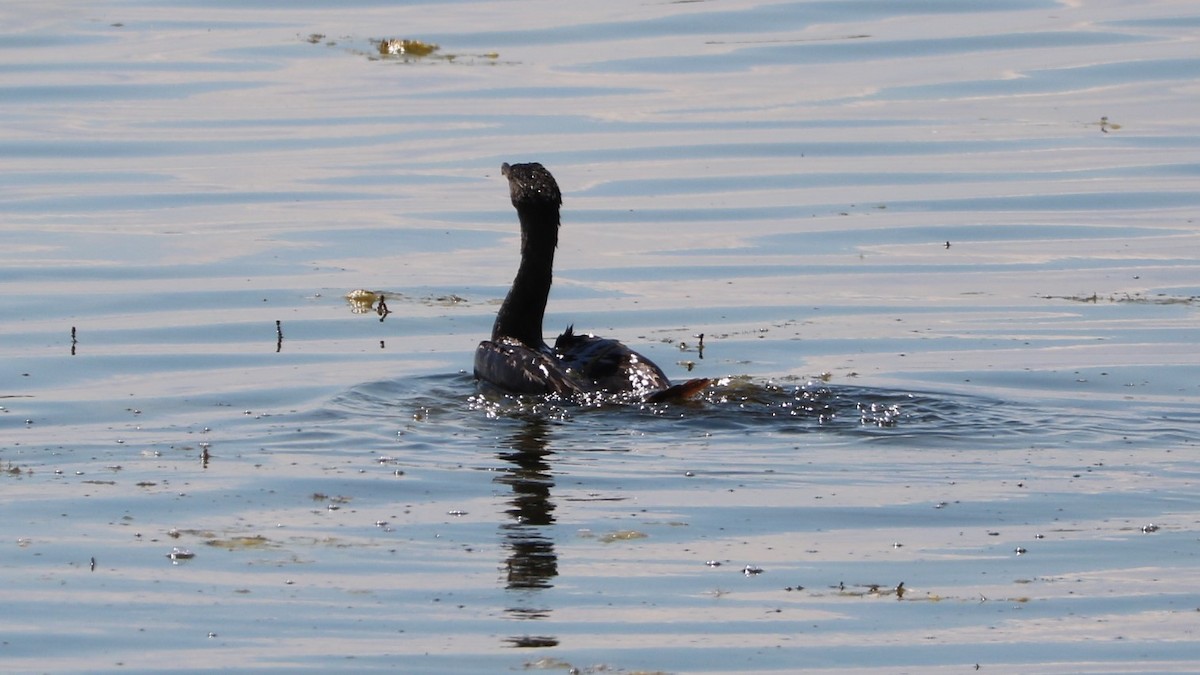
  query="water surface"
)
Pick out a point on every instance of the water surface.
point(943, 257)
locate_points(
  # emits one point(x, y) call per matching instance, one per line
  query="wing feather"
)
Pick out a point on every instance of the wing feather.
point(514, 367)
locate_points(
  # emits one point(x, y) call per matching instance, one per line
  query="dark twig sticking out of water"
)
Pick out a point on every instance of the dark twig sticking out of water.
point(382, 309)
point(278, 336)
point(73, 341)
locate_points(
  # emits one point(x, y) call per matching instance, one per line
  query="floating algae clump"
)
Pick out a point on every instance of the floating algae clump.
point(406, 48)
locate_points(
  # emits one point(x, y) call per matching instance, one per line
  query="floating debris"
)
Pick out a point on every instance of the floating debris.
point(623, 535)
point(548, 663)
point(532, 641)
point(241, 543)
point(362, 301)
point(177, 554)
point(404, 47)
point(400, 50)
point(445, 300)
point(1131, 298)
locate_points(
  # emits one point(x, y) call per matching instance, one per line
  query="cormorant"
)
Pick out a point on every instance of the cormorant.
point(517, 359)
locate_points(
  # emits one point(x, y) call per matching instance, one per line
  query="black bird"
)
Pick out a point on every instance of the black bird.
point(517, 359)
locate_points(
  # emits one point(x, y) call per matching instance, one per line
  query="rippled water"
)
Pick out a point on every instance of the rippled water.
point(943, 256)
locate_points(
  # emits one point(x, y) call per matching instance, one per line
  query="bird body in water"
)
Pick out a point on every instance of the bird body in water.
point(517, 359)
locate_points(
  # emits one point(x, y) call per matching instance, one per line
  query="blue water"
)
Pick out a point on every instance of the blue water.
point(943, 256)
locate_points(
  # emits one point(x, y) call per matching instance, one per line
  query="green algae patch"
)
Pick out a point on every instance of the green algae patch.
point(623, 535)
point(404, 47)
point(400, 50)
point(257, 542)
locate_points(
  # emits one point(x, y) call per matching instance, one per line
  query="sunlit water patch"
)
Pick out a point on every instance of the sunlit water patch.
point(747, 407)
point(738, 404)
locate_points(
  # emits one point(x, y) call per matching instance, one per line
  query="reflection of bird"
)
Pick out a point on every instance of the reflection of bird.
point(517, 358)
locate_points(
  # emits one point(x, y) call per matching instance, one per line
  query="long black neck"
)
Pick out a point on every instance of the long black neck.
point(520, 317)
